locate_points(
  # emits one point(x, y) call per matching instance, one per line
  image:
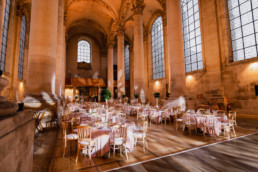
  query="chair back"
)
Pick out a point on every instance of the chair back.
point(119, 132)
point(84, 133)
point(63, 128)
point(145, 127)
point(232, 115)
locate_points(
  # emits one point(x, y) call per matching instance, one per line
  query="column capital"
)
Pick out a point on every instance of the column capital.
point(138, 6)
point(110, 43)
point(120, 31)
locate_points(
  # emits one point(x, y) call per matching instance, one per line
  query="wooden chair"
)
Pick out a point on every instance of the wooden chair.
point(67, 137)
point(209, 124)
point(85, 142)
point(38, 116)
point(118, 139)
point(232, 117)
point(187, 122)
point(166, 116)
point(141, 134)
point(177, 120)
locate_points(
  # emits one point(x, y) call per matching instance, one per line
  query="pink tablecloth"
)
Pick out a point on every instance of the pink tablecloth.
point(102, 137)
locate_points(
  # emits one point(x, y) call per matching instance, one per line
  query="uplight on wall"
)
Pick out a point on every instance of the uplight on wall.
point(254, 66)
point(157, 85)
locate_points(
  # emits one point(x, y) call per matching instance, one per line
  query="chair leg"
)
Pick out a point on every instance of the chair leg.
point(78, 151)
point(189, 127)
point(234, 131)
point(114, 151)
point(126, 153)
point(204, 130)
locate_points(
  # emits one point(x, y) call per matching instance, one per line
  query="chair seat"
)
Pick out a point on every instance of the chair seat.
point(72, 137)
point(138, 128)
point(208, 125)
point(190, 123)
point(179, 120)
point(86, 143)
point(224, 123)
point(118, 141)
point(138, 134)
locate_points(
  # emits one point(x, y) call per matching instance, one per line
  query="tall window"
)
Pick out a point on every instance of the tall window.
point(192, 35)
point(4, 34)
point(22, 44)
point(243, 16)
point(157, 49)
point(127, 63)
point(84, 51)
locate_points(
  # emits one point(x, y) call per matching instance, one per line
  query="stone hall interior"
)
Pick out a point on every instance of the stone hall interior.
point(128, 85)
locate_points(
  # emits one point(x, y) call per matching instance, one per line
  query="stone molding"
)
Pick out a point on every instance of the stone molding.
point(138, 6)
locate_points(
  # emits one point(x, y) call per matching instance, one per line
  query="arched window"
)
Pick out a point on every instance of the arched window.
point(157, 49)
point(84, 52)
point(22, 44)
point(127, 63)
point(192, 35)
point(4, 34)
point(243, 17)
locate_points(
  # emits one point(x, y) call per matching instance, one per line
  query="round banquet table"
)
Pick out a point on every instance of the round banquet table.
point(102, 136)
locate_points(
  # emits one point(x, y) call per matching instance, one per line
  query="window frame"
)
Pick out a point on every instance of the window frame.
point(230, 60)
point(4, 35)
point(159, 59)
point(22, 47)
point(201, 41)
point(90, 51)
point(127, 72)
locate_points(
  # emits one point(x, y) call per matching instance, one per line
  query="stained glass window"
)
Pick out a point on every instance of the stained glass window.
point(21, 50)
point(84, 51)
point(243, 17)
point(157, 49)
point(192, 35)
point(4, 34)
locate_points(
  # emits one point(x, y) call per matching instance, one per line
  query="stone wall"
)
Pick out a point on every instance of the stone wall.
point(71, 59)
point(220, 80)
point(17, 142)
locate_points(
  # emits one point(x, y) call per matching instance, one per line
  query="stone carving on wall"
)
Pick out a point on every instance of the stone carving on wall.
point(138, 6)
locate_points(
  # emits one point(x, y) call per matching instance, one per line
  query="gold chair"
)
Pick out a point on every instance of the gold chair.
point(85, 142)
point(209, 124)
point(232, 117)
point(187, 122)
point(38, 116)
point(118, 138)
point(141, 134)
point(67, 137)
point(166, 116)
point(177, 120)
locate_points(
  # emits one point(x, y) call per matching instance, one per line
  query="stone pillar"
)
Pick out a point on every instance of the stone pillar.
point(131, 71)
point(120, 63)
point(139, 79)
point(41, 74)
point(60, 53)
point(175, 49)
point(110, 68)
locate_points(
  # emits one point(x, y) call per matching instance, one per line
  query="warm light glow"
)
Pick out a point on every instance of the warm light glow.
point(157, 85)
point(21, 84)
point(189, 77)
point(254, 66)
point(68, 92)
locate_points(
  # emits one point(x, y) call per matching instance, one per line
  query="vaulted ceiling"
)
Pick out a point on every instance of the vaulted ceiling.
point(100, 18)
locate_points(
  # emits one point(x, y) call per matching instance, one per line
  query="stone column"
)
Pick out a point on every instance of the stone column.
point(131, 71)
point(139, 79)
point(60, 53)
point(41, 74)
point(175, 49)
point(110, 68)
point(120, 63)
